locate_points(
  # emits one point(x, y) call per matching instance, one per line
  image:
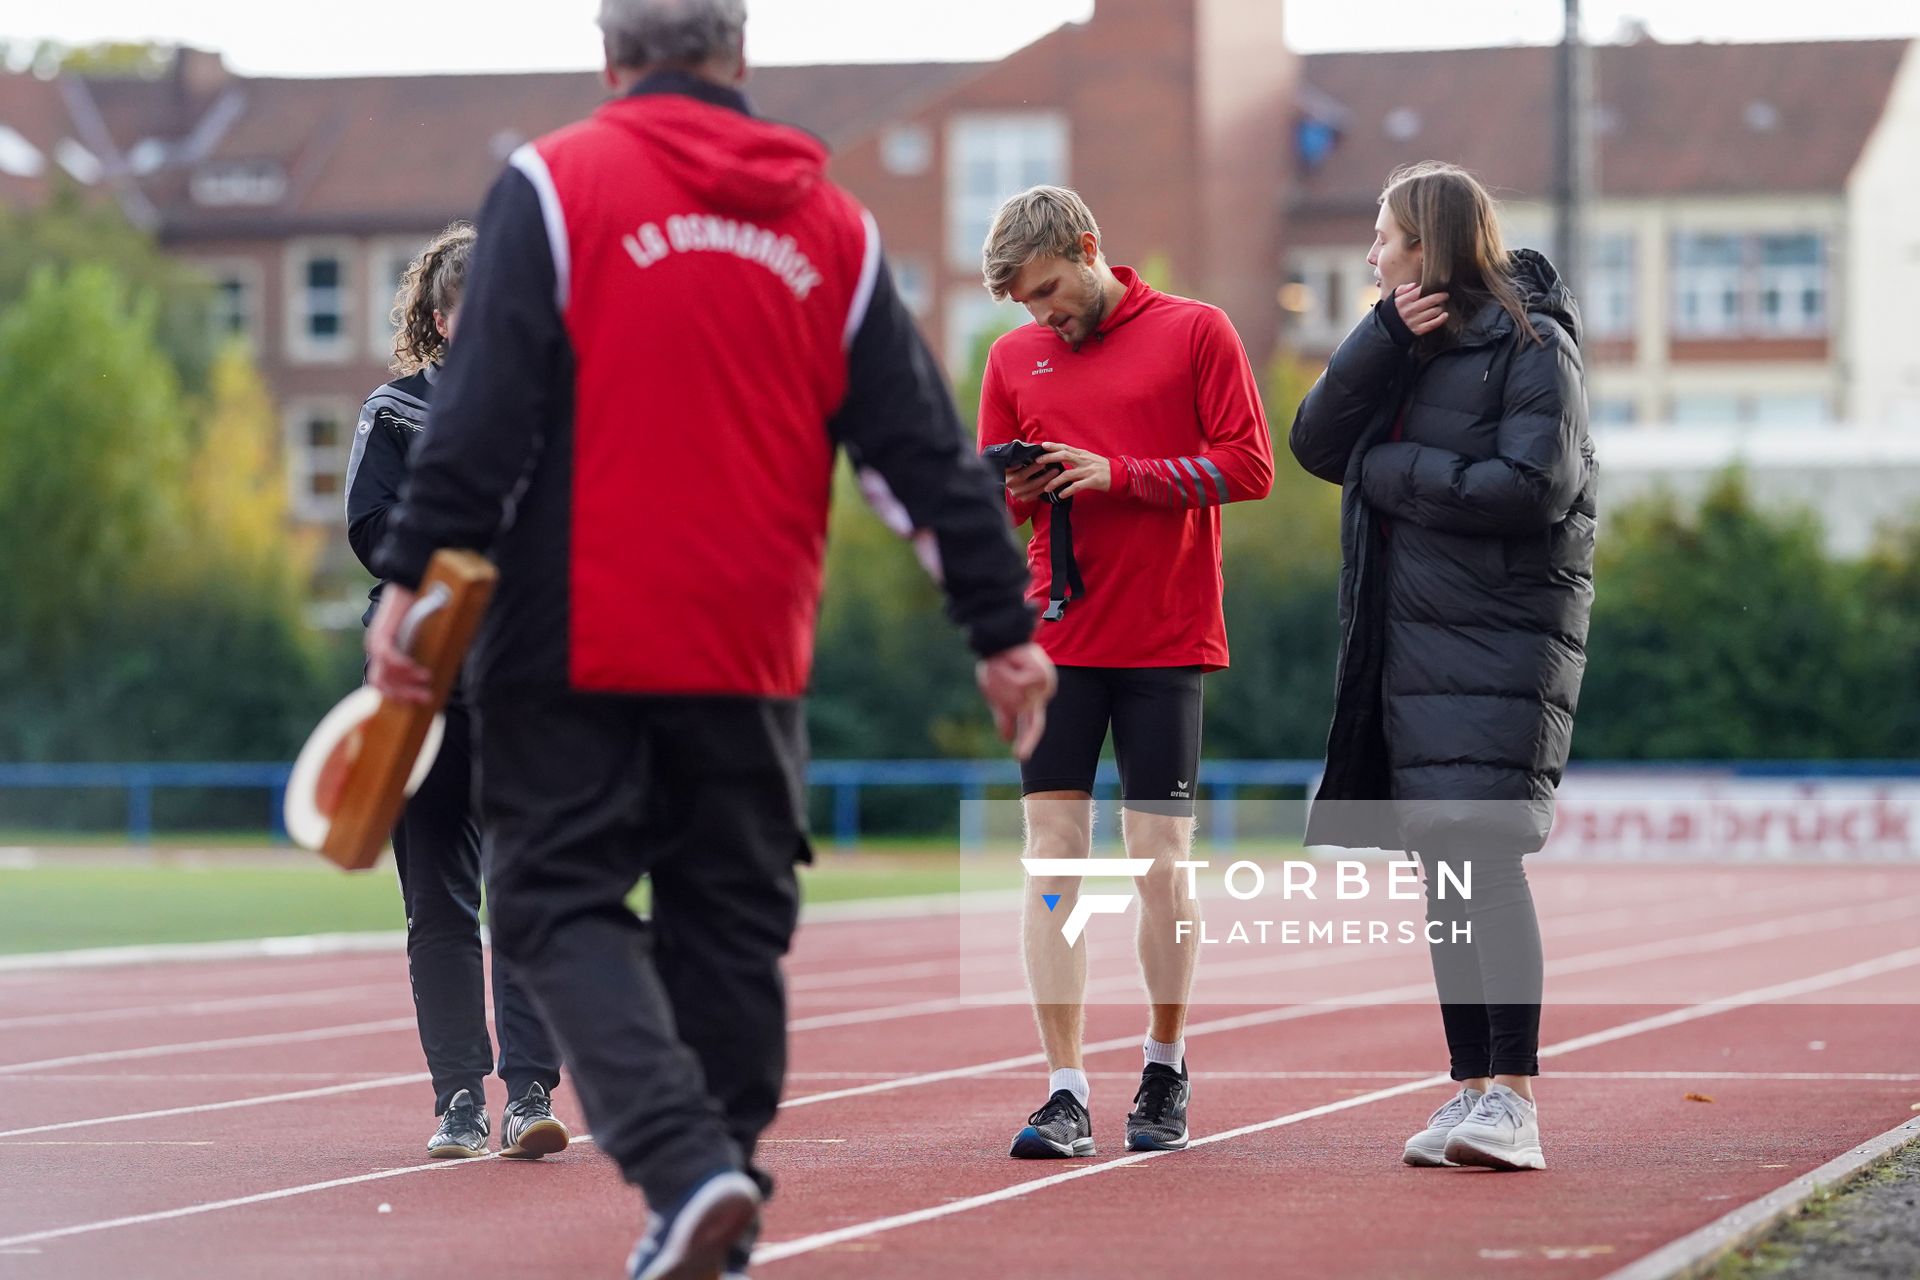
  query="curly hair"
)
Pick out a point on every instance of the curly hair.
point(433, 282)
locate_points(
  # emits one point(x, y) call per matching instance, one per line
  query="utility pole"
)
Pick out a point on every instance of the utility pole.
point(1572, 151)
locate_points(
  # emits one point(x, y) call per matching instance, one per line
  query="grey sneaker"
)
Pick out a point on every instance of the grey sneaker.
point(528, 1129)
point(1427, 1149)
point(1158, 1121)
point(1059, 1130)
point(463, 1130)
point(1502, 1133)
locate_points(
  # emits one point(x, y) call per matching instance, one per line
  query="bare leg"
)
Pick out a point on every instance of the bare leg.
point(1167, 958)
point(1059, 825)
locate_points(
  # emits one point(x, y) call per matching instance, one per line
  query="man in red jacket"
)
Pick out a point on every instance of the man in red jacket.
point(673, 320)
point(1151, 421)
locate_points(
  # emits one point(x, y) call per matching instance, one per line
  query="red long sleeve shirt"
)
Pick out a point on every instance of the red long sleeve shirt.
point(1164, 391)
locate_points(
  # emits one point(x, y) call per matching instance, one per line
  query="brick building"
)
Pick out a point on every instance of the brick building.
point(303, 198)
point(1754, 202)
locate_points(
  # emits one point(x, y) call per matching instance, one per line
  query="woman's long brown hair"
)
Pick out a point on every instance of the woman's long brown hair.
point(433, 282)
point(1445, 210)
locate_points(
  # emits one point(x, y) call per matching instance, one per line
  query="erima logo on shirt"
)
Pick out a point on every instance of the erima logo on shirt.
point(1043, 366)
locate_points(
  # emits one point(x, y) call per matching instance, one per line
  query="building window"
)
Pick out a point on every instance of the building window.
point(1773, 284)
point(972, 317)
point(1791, 409)
point(387, 265)
point(1608, 304)
point(1612, 411)
point(245, 183)
point(233, 304)
point(1791, 288)
point(911, 282)
point(991, 157)
point(906, 151)
point(1707, 284)
point(319, 433)
point(319, 295)
point(1706, 409)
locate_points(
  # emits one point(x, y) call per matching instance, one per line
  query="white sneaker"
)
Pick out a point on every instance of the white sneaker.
point(1427, 1149)
point(1502, 1133)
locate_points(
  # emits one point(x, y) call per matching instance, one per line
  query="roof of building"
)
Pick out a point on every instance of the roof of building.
point(1671, 119)
point(363, 152)
point(216, 153)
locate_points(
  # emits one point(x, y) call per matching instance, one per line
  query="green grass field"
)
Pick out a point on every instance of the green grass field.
point(61, 908)
point(204, 891)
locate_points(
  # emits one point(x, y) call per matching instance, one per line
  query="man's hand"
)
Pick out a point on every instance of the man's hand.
point(1421, 314)
point(389, 669)
point(1017, 683)
point(1083, 470)
point(1028, 483)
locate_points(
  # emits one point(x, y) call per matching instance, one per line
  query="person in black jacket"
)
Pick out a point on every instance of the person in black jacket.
point(1454, 417)
point(436, 844)
point(675, 320)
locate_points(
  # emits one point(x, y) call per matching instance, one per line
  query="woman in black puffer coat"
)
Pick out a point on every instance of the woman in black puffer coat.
point(1454, 417)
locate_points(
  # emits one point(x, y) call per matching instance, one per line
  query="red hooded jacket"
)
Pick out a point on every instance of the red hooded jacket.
point(1164, 390)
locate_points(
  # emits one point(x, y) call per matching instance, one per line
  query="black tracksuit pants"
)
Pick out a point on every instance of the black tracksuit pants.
point(674, 1027)
point(1490, 986)
point(436, 847)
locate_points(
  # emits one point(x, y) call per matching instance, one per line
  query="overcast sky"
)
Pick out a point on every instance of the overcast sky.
point(341, 37)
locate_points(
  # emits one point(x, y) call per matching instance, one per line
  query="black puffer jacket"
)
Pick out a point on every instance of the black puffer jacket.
point(1467, 575)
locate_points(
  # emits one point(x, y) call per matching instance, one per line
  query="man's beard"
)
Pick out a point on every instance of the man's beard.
point(1094, 310)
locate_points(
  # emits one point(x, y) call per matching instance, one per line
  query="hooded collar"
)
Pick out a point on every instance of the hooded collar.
point(1139, 296)
point(1541, 290)
point(686, 84)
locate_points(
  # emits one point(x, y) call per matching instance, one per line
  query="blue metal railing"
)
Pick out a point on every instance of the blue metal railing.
point(846, 780)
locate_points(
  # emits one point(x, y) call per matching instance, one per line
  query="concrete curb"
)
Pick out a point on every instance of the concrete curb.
point(1698, 1254)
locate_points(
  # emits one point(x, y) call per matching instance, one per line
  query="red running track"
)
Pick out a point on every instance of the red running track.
point(249, 1118)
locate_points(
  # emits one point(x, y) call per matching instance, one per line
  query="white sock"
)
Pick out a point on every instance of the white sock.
point(1073, 1080)
point(1167, 1055)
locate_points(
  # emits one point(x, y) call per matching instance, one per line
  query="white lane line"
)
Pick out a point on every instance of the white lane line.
point(1720, 940)
point(196, 1008)
point(1810, 1077)
point(771, 1253)
point(209, 1046)
point(263, 1197)
point(1781, 991)
point(324, 944)
point(1569, 925)
point(1685, 1255)
point(125, 1142)
point(870, 974)
point(236, 1104)
point(1412, 991)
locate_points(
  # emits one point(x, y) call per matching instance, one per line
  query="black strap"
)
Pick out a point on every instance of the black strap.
point(1066, 571)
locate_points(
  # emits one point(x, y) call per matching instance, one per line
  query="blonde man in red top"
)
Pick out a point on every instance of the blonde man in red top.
point(1149, 418)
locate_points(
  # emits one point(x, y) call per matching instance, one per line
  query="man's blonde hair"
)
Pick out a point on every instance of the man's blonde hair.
point(1039, 222)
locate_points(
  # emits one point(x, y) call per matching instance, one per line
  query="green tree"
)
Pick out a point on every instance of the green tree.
point(90, 475)
point(1727, 632)
point(75, 230)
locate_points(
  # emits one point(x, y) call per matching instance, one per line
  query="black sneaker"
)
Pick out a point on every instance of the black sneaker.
point(1158, 1121)
point(528, 1129)
point(463, 1130)
point(740, 1256)
point(1057, 1131)
point(694, 1239)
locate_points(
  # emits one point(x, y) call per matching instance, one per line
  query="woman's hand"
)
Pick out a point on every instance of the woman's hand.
point(1420, 313)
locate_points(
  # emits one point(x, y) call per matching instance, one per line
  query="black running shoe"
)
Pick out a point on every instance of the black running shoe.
point(463, 1130)
point(1057, 1131)
point(528, 1129)
point(740, 1256)
point(1158, 1121)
